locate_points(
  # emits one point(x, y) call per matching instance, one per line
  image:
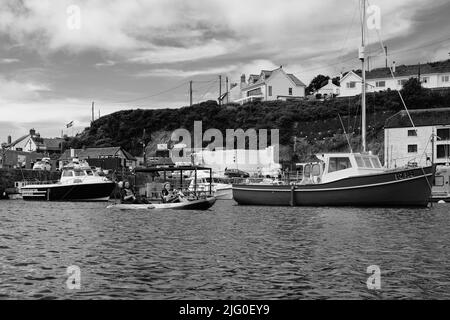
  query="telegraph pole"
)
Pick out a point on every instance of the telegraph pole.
point(190, 93)
point(228, 92)
point(220, 90)
point(386, 54)
point(92, 111)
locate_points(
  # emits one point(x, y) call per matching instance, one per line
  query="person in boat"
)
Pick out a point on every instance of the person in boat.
point(167, 193)
point(128, 195)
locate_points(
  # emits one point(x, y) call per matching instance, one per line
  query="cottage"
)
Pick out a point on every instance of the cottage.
point(434, 75)
point(33, 142)
point(403, 144)
point(328, 90)
point(266, 86)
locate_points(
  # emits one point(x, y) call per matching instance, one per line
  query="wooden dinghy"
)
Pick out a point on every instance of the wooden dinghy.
point(201, 204)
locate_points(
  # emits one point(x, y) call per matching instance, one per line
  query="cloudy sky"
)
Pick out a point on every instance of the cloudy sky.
point(142, 53)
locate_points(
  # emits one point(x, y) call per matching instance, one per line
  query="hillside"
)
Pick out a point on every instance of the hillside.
point(316, 124)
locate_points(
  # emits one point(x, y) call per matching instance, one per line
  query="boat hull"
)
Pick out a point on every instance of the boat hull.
point(400, 188)
point(69, 192)
point(202, 204)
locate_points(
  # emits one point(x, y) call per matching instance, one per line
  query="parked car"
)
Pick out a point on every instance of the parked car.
point(236, 173)
point(43, 164)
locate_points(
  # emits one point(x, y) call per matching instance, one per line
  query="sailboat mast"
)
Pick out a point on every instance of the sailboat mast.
point(363, 83)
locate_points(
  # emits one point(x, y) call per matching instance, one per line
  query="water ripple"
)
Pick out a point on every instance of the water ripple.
point(228, 252)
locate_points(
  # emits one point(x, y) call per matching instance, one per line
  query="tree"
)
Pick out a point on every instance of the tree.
point(317, 83)
point(415, 96)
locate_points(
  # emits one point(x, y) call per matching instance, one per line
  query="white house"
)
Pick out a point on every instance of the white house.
point(262, 162)
point(33, 142)
point(403, 144)
point(330, 89)
point(434, 75)
point(267, 86)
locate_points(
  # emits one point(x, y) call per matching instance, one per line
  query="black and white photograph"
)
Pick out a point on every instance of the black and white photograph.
point(224, 155)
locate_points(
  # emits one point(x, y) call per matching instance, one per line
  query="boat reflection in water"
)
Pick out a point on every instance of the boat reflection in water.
point(351, 179)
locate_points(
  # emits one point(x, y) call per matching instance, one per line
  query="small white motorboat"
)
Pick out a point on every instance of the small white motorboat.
point(201, 204)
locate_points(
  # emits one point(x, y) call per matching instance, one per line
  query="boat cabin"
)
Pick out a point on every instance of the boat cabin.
point(332, 167)
point(79, 171)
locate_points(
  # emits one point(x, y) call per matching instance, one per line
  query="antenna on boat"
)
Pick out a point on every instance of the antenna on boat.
point(346, 135)
point(363, 83)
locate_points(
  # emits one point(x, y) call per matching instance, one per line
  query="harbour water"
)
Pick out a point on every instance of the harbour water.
point(228, 252)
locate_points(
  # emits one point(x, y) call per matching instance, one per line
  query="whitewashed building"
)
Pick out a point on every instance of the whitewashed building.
point(266, 86)
point(434, 75)
point(403, 144)
point(329, 90)
point(33, 142)
point(255, 162)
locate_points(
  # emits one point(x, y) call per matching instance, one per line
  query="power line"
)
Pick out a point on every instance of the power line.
point(151, 96)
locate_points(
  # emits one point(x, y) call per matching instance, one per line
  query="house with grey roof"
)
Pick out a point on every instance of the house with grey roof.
point(428, 140)
point(33, 142)
point(268, 85)
point(433, 75)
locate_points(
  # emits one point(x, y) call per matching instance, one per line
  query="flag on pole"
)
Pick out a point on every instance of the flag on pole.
point(70, 124)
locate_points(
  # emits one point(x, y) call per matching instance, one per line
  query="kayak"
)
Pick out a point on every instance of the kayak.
point(201, 204)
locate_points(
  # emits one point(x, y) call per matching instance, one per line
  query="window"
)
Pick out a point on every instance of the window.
point(443, 151)
point(79, 173)
point(445, 79)
point(402, 82)
point(412, 148)
point(67, 174)
point(351, 85)
point(270, 91)
point(307, 172)
point(376, 162)
point(315, 170)
point(290, 91)
point(443, 134)
point(380, 84)
point(359, 162)
point(412, 133)
point(338, 164)
point(439, 181)
point(367, 162)
point(255, 92)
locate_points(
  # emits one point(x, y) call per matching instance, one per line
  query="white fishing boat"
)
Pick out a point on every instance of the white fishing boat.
point(78, 182)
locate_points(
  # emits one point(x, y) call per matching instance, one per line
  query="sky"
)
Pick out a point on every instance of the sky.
point(58, 56)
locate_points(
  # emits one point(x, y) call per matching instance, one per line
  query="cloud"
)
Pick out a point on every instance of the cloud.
point(9, 60)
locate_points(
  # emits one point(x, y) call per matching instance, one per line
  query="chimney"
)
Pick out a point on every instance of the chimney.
point(9, 140)
point(32, 132)
point(393, 67)
point(243, 81)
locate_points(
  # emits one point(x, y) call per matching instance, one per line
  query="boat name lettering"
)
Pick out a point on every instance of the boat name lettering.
point(404, 175)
